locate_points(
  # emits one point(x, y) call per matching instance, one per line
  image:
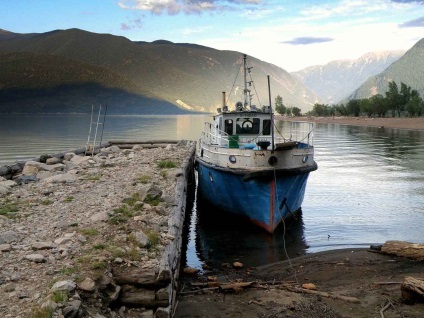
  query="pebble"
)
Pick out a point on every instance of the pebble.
point(63, 225)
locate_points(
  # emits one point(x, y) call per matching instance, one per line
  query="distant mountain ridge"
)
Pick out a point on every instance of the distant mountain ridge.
point(182, 76)
point(336, 80)
point(409, 69)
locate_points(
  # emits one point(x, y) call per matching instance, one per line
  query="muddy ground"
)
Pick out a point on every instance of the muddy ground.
point(371, 278)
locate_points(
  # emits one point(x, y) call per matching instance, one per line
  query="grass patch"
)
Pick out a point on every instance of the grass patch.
point(153, 201)
point(100, 246)
point(122, 214)
point(154, 239)
point(98, 265)
point(95, 177)
point(59, 297)
point(131, 200)
point(133, 254)
point(163, 174)
point(39, 312)
point(9, 210)
point(46, 202)
point(116, 251)
point(143, 179)
point(89, 232)
point(69, 271)
point(69, 199)
point(164, 164)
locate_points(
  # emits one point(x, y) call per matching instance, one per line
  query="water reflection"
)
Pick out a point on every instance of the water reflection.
point(222, 238)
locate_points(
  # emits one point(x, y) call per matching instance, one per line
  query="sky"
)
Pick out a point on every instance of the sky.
point(291, 34)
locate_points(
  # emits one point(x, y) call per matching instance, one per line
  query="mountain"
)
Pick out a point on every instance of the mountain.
point(409, 69)
point(187, 76)
point(337, 79)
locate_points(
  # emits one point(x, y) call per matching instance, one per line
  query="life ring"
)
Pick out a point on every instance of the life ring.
point(247, 125)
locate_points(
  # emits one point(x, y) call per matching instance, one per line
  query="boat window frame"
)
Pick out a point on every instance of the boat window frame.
point(256, 123)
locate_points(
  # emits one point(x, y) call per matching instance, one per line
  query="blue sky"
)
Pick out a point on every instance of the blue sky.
point(292, 34)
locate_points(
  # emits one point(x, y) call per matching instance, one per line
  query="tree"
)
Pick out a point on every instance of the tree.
point(393, 98)
point(289, 111)
point(415, 106)
point(296, 111)
point(379, 104)
point(279, 106)
point(353, 107)
point(366, 106)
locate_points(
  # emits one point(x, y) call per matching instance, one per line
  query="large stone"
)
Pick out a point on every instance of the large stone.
point(5, 247)
point(141, 238)
point(4, 190)
point(79, 159)
point(44, 167)
point(36, 258)
point(61, 178)
point(154, 192)
point(8, 237)
point(30, 170)
point(87, 285)
point(100, 217)
point(68, 156)
point(8, 183)
point(64, 285)
point(43, 245)
point(52, 161)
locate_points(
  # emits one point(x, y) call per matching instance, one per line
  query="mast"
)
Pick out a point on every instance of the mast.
point(272, 115)
point(245, 92)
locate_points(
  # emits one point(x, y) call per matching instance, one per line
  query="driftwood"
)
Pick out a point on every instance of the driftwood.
point(413, 289)
point(322, 294)
point(235, 286)
point(240, 285)
point(404, 249)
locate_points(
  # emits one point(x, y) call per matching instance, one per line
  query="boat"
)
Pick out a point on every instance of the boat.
point(246, 167)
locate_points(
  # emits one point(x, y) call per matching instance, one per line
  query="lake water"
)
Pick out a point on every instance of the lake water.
point(369, 186)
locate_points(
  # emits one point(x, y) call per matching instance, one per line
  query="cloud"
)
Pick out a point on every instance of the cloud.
point(173, 7)
point(132, 24)
point(416, 23)
point(408, 1)
point(306, 40)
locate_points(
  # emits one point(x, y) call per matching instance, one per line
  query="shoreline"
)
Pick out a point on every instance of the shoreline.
point(387, 122)
point(341, 283)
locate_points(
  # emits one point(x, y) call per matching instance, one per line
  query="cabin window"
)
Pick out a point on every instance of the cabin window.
point(247, 126)
point(229, 126)
point(267, 127)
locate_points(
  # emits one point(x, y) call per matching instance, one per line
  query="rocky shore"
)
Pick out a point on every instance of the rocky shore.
point(92, 236)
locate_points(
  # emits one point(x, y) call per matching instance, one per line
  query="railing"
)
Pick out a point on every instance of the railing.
point(301, 132)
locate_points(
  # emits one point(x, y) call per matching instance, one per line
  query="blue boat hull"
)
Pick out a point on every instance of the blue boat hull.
point(265, 201)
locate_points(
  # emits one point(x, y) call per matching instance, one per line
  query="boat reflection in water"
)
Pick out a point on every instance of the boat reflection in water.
point(218, 242)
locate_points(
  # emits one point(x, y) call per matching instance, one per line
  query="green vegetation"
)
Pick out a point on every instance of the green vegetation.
point(46, 202)
point(89, 232)
point(283, 110)
point(95, 177)
point(144, 179)
point(132, 200)
point(69, 199)
point(164, 164)
point(9, 210)
point(69, 270)
point(98, 265)
point(38, 312)
point(401, 102)
point(59, 297)
point(122, 214)
point(154, 239)
point(153, 201)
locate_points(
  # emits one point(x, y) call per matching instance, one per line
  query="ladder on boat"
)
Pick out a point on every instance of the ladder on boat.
point(92, 133)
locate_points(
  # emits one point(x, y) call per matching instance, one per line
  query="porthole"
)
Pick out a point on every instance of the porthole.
point(272, 161)
point(304, 159)
point(232, 159)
